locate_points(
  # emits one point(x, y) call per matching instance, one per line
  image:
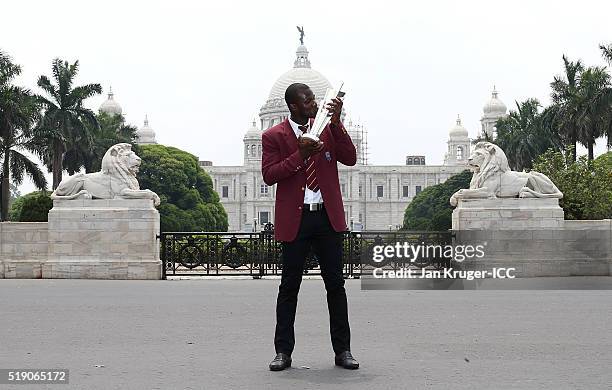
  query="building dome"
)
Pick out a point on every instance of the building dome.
point(110, 106)
point(301, 73)
point(145, 134)
point(253, 132)
point(315, 80)
point(495, 106)
point(458, 130)
point(275, 109)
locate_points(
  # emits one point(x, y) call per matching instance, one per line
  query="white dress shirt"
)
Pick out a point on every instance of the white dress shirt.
point(309, 195)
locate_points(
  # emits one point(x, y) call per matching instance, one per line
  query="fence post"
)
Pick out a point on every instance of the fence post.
point(163, 254)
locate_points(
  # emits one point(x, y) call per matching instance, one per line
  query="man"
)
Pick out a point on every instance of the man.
point(308, 212)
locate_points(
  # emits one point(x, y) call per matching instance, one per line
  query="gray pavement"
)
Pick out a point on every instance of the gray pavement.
point(217, 334)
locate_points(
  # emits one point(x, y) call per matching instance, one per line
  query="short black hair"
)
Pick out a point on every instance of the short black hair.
point(291, 94)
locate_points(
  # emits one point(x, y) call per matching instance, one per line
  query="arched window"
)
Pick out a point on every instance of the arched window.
point(253, 150)
point(459, 152)
point(258, 150)
point(247, 150)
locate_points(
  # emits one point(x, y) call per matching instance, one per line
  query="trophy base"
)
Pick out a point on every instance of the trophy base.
point(310, 136)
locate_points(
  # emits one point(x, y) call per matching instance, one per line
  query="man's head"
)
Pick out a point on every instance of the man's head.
point(301, 101)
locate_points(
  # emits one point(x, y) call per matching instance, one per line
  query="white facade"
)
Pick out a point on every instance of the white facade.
point(375, 196)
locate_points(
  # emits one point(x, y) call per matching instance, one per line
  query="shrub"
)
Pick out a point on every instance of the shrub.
point(32, 207)
point(430, 210)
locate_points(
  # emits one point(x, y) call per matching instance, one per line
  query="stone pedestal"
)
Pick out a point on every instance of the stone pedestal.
point(103, 239)
point(508, 214)
point(23, 249)
point(531, 236)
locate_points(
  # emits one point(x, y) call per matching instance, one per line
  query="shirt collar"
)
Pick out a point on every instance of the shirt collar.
point(295, 127)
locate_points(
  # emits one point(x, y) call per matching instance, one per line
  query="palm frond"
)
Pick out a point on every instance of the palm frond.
point(8, 69)
point(20, 164)
point(606, 51)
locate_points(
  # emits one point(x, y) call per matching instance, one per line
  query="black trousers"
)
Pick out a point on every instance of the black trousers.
point(316, 232)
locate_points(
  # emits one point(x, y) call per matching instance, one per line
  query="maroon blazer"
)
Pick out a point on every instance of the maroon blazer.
point(282, 164)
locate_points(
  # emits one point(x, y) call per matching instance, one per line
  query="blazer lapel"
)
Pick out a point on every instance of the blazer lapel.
point(290, 137)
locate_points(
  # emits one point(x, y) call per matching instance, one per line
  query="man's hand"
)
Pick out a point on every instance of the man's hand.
point(308, 147)
point(335, 109)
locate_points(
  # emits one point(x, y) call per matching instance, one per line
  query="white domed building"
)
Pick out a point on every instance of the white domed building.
point(145, 135)
point(493, 110)
point(458, 145)
point(275, 109)
point(374, 196)
point(110, 105)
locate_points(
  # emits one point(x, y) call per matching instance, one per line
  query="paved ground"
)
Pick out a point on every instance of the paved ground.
point(217, 334)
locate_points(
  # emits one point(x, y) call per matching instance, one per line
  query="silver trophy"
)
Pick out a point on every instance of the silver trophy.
point(323, 117)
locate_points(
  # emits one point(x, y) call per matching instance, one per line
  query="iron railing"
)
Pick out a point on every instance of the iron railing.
point(258, 254)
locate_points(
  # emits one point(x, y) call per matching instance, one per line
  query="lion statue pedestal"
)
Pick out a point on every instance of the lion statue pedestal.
point(102, 225)
point(508, 214)
point(103, 239)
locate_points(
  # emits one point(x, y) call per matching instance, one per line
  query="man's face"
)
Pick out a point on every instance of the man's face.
point(307, 105)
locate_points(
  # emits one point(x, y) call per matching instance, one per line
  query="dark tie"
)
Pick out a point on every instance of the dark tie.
point(311, 175)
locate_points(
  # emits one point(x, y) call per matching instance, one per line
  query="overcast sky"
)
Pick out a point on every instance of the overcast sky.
point(201, 70)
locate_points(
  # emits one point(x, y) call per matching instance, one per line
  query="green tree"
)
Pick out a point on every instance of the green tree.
point(13, 196)
point(606, 52)
point(594, 99)
point(19, 111)
point(66, 124)
point(563, 113)
point(581, 109)
point(586, 184)
point(188, 201)
point(36, 208)
point(32, 207)
point(112, 130)
point(430, 209)
point(523, 136)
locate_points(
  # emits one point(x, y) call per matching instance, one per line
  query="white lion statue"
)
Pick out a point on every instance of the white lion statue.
point(493, 178)
point(117, 179)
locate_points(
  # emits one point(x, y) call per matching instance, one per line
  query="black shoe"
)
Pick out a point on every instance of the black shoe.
point(346, 360)
point(280, 362)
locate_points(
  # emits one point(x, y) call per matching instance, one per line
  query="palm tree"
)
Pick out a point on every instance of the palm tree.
point(66, 122)
point(582, 101)
point(112, 130)
point(594, 101)
point(19, 110)
point(562, 115)
point(606, 52)
point(523, 136)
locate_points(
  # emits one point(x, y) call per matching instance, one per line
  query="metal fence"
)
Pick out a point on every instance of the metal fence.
point(259, 254)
